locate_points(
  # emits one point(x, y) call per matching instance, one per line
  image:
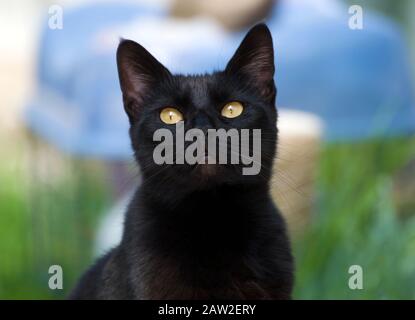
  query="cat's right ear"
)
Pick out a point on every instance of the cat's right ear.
point(138, 72)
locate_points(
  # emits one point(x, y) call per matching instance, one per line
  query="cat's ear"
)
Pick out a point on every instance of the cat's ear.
point(254, 60)
point(138, 72)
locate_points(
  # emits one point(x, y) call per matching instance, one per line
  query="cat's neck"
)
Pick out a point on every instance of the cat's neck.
point(220, 198)
point(210, 218)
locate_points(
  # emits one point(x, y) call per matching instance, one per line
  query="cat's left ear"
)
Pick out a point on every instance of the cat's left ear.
point(254, 61)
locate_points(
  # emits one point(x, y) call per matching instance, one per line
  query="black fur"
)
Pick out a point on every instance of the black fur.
point(192, 232)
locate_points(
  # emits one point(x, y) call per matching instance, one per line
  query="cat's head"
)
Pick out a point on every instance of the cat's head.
point(240, 97)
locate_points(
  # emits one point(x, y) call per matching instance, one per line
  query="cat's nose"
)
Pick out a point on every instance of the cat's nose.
point(203, 122)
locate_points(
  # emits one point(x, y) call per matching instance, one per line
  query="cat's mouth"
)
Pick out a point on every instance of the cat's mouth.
point(206, 167)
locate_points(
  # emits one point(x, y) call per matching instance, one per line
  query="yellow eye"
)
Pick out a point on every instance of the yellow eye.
point(232, 109)
point(170, 115)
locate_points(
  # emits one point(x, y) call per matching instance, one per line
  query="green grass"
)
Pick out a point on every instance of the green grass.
point(357, 222)
point(48, 219)
point(43, 223)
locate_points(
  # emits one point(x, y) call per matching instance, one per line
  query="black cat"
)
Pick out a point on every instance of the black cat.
point(202, 231)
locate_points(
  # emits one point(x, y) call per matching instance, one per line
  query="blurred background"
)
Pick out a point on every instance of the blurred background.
point(345, 173)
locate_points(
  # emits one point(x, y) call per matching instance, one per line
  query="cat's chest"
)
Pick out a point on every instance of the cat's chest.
point(172, 278)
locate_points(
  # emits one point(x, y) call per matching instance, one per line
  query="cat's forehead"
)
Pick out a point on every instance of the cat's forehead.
point(198, 88)
point(199, 82)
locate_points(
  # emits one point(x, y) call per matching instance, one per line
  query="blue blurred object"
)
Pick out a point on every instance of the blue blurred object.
point(357, 81)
